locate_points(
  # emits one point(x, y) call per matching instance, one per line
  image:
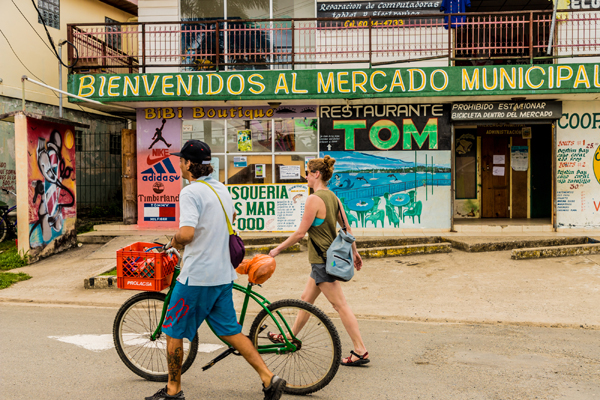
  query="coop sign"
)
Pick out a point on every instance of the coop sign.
point(339, 83)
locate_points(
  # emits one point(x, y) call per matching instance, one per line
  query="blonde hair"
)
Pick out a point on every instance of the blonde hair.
point(324, 166)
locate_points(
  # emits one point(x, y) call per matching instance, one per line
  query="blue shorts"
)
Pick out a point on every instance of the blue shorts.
point(191, 305)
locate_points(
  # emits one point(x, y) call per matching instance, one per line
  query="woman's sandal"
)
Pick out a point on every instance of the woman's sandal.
point(278, 338)
point(361, 359)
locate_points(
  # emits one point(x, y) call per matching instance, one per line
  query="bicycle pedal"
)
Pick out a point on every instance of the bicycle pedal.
point(262, 328)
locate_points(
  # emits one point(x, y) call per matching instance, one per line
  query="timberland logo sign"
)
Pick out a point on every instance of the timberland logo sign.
point(341, 84)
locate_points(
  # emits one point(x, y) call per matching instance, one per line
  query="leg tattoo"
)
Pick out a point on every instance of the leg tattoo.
point(174, 362)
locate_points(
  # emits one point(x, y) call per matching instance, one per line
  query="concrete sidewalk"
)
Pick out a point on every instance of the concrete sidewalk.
point(454, 287)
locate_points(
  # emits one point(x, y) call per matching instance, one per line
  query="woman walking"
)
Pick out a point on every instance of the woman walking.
point(321, 212)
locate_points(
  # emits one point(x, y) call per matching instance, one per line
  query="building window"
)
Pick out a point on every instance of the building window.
point(466, 164)
point(115, 143)
point(113, 40)
point(78, 140)
point(50, 11)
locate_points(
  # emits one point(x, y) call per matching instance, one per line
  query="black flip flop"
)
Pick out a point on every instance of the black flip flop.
point(361, 359)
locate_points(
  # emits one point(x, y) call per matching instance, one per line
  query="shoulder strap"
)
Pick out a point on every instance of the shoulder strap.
point(340, 211)
point(231, 232)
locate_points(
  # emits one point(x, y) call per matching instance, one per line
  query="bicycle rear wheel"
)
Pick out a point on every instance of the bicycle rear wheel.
point(316, 361)
point(4, 227)
point(134, 324)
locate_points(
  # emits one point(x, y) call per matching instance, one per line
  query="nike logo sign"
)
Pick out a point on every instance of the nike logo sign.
point(152, 161)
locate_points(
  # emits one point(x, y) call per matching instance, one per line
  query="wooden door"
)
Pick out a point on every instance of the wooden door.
point(129, 175)
point(495, 187)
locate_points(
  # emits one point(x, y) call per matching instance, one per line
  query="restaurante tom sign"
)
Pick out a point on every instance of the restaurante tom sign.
point(338, 84)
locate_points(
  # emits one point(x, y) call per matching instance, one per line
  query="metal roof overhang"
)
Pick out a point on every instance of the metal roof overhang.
point(123, 5)
point(108, 108)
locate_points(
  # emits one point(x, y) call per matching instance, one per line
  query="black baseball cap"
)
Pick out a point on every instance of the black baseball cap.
point(195, 151)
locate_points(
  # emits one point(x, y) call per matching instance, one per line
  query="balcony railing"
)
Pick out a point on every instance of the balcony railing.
point(507, 37)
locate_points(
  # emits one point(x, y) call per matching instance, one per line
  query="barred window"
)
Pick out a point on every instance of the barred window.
point(115, 143)
point(113, 40)
point(78, 140)
point(50, 11)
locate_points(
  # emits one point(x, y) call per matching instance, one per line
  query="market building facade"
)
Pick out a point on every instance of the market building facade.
point(423, 139)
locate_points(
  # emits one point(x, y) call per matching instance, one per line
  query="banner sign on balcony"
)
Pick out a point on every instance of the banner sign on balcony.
point(391, 11)
point(383, 127)
point(507, 110)
point(338, 83)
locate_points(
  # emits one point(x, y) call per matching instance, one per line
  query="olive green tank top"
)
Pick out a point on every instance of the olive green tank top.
point(324, 234)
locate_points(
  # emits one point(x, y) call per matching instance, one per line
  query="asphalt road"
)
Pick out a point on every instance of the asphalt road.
point(409, 361)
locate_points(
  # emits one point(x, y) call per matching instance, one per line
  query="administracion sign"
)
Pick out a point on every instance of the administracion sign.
point(385, 127)
point(339, 83)
point(507, 110)
point(271, 207)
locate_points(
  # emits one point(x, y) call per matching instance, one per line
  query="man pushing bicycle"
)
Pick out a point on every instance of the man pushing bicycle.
point(204, 287)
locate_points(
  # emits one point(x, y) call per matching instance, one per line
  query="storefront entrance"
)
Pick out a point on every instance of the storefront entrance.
point(503, 171)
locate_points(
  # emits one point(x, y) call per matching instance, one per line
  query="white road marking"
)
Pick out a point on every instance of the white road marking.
point(88, 342)
point(99, 343)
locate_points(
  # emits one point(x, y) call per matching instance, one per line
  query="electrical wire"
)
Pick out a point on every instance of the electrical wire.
point(36, 32)
point(28, 70)
point(52, 41)
point(22, 63)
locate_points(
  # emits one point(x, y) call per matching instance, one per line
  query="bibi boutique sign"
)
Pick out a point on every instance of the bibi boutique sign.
point(339, 83)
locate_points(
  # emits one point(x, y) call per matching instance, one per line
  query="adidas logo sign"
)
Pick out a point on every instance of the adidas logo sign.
point(157, 171)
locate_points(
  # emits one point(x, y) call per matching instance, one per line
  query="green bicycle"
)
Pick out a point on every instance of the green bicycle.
point(308, 360)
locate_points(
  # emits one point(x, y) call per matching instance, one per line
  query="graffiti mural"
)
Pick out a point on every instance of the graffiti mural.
point(52, 208)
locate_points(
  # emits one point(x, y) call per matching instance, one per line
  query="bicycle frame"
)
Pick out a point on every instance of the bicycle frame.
point(5, 217)
point(277, 348)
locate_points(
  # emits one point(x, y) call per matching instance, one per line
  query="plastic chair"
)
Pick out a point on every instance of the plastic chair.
point(414, 211)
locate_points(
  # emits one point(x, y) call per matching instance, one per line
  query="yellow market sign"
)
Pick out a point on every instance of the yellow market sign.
point(339, 83)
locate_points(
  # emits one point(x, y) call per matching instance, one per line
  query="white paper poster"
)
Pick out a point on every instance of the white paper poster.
point(289, 172)
point(499, 159)
point(578, 166)
point(214, 162)
point(498, 171)
point(519, 158)
point(270, 207)
point(259, 171)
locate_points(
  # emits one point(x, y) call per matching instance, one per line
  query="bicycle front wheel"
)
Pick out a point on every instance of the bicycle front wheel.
point(317, 358)
point(134, 324)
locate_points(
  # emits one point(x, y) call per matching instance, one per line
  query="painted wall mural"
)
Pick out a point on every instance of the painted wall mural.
point(392, 165)
point(52, 204)
point(578, 165)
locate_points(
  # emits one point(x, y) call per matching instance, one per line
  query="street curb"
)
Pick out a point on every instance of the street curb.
point(557, 251)
point(408, 250)
point(101, 282)
point(265, 249)
point(514, 244)
point(103, 239)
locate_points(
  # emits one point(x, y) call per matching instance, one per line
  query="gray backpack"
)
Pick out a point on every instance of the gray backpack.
point(339, 260)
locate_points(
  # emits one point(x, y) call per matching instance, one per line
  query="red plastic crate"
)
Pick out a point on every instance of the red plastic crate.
point(147, 271)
